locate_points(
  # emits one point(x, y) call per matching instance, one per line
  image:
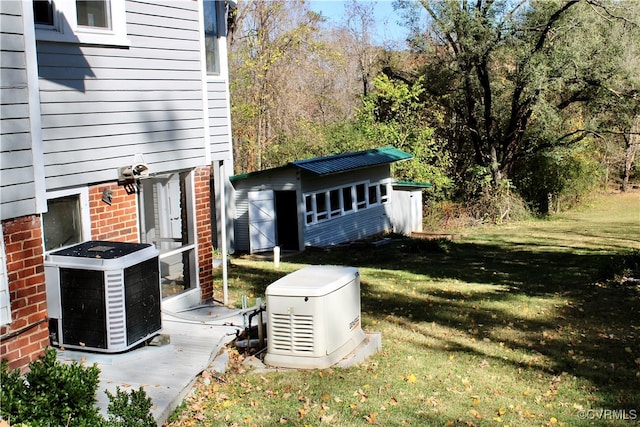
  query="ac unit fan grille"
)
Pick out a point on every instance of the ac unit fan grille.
point(292, 333)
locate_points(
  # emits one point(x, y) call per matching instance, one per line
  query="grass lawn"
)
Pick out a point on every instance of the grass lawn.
point(508, 325)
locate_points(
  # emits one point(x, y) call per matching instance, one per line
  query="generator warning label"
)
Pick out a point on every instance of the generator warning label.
point(354, 323)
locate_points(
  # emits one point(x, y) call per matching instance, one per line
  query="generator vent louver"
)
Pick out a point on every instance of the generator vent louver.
point(292, 332)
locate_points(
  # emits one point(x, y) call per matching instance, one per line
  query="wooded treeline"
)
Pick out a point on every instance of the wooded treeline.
point(503, 103)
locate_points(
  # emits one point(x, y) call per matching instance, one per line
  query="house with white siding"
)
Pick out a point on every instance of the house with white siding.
point(115, 126)
point(323, 201)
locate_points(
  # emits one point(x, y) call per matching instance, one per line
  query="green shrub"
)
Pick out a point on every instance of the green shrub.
point(130, 409)
point(621, 267)
point(52, 393)
point(429, 246)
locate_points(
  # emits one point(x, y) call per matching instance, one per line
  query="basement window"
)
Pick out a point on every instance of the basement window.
point(66, 221)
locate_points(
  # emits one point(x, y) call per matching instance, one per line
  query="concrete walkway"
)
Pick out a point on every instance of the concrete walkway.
point(167, 369)
point(188, 344)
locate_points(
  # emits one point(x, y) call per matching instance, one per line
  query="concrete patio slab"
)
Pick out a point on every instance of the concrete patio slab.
point(168, 370)
point(190, 342)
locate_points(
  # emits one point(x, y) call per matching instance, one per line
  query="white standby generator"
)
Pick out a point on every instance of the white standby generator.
point(313, 317)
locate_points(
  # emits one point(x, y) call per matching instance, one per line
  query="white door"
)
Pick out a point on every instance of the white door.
point(262, 221)
point(175, 212)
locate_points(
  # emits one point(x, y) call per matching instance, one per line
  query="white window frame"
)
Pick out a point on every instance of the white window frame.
point(384, 198)
point(85, 214)
point(5, 299)
point(314, 217)
point(65, 26)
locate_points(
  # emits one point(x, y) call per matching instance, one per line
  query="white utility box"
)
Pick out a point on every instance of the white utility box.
point(313, 317)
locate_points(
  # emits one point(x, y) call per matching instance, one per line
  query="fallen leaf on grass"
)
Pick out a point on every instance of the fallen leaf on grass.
point(363, 396)
point(371, 418)
point(328, 419)
point(475, 413)
point(302, 412)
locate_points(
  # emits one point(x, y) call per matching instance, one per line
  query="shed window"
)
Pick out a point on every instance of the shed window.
point(335, 202)
point(309, 210)
point(347, 199)
point(373, 194)
point(334, 199)
point(321, 206)
point(384, 193)
point(361, 196)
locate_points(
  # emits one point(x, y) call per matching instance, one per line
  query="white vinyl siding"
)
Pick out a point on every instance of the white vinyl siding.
point(21, 177)
point(218, 112)
point(102, 105)
point(346, 228)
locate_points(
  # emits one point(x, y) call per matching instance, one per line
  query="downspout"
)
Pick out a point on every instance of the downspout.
point(223, 233)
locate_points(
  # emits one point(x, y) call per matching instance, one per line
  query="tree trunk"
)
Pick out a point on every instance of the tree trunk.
point(494, 167)
point(631, 147)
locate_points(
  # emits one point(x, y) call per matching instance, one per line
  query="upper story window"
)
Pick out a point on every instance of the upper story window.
point(93, 13)
point(81, 21)
point(211, 34)
point(43, 12)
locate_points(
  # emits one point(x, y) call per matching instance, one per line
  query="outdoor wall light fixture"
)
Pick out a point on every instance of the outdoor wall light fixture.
point(107, 196)
point(129, 176)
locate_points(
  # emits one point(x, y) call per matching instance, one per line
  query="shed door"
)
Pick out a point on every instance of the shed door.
point(262, 221)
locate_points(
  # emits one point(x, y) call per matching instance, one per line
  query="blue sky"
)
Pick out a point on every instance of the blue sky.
point(387, 28)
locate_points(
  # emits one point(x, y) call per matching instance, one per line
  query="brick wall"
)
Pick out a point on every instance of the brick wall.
point(115, 222)
point(27, 336)
point(202, 184)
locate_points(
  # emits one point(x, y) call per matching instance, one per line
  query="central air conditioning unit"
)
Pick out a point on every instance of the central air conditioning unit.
point(103, 296)
point(313, 317)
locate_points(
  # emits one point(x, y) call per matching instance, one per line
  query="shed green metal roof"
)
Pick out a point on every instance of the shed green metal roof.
point(350, 161)
point(340, 162)
point(412, 184)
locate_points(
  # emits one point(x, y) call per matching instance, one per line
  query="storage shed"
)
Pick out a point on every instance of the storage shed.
point(316, 202)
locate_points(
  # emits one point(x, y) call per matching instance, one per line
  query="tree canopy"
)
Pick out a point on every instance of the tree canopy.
point(486, 91)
